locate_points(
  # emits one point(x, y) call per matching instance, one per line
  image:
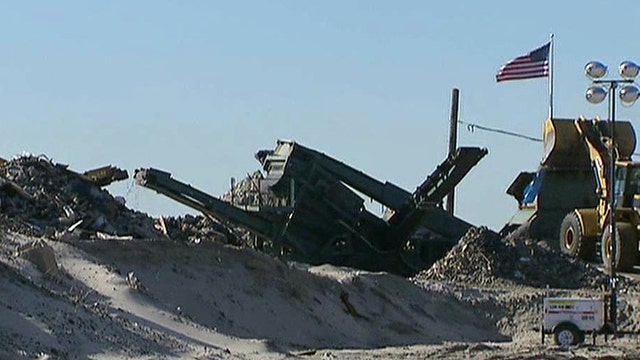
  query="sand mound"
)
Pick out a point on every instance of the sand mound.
point(164, 297)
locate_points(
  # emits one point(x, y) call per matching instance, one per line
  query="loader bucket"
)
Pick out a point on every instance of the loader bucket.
point(625, 140)
point(565, 148)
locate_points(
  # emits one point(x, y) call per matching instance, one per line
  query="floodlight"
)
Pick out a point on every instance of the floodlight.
point(629, 94)
point(629, 69)
point(595, 70)
point(595, 94)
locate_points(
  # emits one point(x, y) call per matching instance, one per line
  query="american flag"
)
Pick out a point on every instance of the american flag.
point(532, 65)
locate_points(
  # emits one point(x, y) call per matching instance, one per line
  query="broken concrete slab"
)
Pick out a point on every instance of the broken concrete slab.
point(42, 256)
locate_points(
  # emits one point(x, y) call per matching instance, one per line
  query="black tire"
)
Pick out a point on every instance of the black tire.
point(567, 335)
point(572, 239)
point(626, 247)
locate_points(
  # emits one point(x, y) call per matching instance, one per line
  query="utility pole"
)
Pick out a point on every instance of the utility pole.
point(453, 141)
point(629, 93)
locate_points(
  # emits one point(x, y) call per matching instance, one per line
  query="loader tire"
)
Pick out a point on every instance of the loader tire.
point(572, 239)
point(626, 247)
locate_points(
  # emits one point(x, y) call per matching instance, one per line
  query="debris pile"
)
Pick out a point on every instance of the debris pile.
point(251, 192)
point(483, 258)
point(41, 198)
point(195, 229)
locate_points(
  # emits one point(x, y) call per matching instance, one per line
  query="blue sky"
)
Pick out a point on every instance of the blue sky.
point(196, 87)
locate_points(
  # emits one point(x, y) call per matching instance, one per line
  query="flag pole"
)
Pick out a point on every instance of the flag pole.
point(551, 58)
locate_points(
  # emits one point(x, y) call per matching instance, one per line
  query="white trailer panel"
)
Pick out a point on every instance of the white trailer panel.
point(586, 314)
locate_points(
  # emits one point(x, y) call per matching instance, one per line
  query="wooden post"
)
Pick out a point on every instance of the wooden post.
point(453, 142)
point(233, 190)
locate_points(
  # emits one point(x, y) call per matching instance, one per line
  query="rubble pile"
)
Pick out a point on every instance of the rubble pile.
point(41, 198)
point(250, 191)
point(194, 229)
point(482, 257)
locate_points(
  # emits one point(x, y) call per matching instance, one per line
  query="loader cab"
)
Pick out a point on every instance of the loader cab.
point(627, 185)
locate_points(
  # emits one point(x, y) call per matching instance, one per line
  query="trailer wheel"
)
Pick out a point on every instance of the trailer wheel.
point(567, 334)
point(572, 239)
point(626, 247)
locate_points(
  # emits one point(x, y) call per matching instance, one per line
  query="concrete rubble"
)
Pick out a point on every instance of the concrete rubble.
point(194, 229)
point(247, 192)
point(482, 257)
point(42, 198)
point(42, 256)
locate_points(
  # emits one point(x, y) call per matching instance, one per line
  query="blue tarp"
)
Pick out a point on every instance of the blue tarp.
point(531, 191)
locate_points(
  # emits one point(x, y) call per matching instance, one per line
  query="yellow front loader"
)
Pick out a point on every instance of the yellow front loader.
point(566, 201)
point(582, 228)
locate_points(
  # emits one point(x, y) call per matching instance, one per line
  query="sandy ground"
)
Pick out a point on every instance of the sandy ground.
point(149, 299)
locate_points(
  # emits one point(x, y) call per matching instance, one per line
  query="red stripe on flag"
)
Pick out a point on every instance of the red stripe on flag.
point(533, 65)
